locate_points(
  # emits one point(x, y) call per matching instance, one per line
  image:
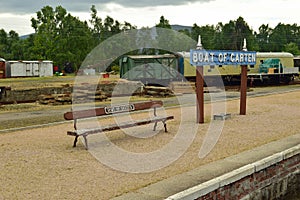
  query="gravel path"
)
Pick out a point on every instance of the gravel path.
point(41, 163)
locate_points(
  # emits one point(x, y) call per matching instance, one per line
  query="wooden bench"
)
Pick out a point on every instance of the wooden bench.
point(97, 112)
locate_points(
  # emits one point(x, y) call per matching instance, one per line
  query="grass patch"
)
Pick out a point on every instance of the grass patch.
point(17, 123)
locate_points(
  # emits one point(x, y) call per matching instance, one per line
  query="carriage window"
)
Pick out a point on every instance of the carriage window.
point(220, 65)
point(251, 66)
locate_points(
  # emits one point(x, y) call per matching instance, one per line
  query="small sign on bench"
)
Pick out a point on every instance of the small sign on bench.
point(119, 109)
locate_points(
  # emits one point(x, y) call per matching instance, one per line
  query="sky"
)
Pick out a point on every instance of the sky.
point(15, 14)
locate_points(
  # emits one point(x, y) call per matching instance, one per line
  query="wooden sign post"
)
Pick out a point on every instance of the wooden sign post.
point(243, 87)
point(200, 88)
point(243, 90)
point(200, 94)
point(200, 58)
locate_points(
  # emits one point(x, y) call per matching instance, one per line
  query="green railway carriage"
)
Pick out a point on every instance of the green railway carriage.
point(150, 69)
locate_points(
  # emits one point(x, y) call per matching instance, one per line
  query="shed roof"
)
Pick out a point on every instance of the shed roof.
point(151, 56)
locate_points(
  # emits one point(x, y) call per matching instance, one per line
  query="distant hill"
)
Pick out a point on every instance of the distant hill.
point(23, 37)
point(177, 27)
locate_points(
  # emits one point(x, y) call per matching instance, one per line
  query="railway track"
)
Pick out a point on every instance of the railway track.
point(237, 86)
point(233, 87)
point(38, 118)
point(295, 82)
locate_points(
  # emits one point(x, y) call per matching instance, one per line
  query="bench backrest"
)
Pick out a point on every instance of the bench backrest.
point(80, 114)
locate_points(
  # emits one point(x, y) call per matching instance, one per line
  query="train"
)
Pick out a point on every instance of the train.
point(11, 69)
point(270, 67)
point(150, 69)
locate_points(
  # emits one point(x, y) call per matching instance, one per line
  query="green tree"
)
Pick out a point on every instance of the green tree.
point(11, 47)
point(28, 46)
point(186, 32)
point(3, 44)
point(16, 50)
point(163, 23)
point(74, 42)
point(263, 37)
point(207, 35)
point(292, 48)
point(232, 34)
point(295, 34)
point(45, 26)
point(96, 23)
point(60, 37)
point(103, 29)
point(278, 38)
point(164, 38)
point(63, 38)
point(218, 37)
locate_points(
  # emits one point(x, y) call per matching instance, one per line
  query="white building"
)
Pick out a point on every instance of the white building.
point(29, 68)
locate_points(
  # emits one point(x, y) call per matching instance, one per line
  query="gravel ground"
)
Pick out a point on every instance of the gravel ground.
point(41, 163)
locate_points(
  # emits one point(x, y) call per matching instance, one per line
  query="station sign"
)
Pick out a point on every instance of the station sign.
point(221, 57)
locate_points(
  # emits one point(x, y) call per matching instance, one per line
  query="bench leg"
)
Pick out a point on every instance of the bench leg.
point(75, 141)
point(85, 142)
point(155, 125)
point(165, 126)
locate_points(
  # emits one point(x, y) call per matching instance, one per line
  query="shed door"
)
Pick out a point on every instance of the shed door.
point(2, 69)
point(28, 69)
point(35, 69)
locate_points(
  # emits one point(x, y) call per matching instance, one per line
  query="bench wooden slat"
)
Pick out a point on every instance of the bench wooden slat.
point(118, 126)
point(101, 111)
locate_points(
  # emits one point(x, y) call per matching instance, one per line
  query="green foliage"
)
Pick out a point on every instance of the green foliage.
point(60, 37)
point(115, 69)
point(263, 37)
point(163, 23)
point(103, 29)
point(225, 36)
point(207, 33)
point(63, 38)
point(292, 48)
point(10, 45)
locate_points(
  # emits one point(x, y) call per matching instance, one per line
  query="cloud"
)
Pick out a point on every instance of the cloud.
point(32, 6)
point(151, 3)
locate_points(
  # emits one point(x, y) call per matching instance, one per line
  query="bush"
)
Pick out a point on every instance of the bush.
point(115, 69)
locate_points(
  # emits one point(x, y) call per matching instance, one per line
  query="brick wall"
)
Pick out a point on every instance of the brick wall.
point(274, 177)
point(273, 182)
